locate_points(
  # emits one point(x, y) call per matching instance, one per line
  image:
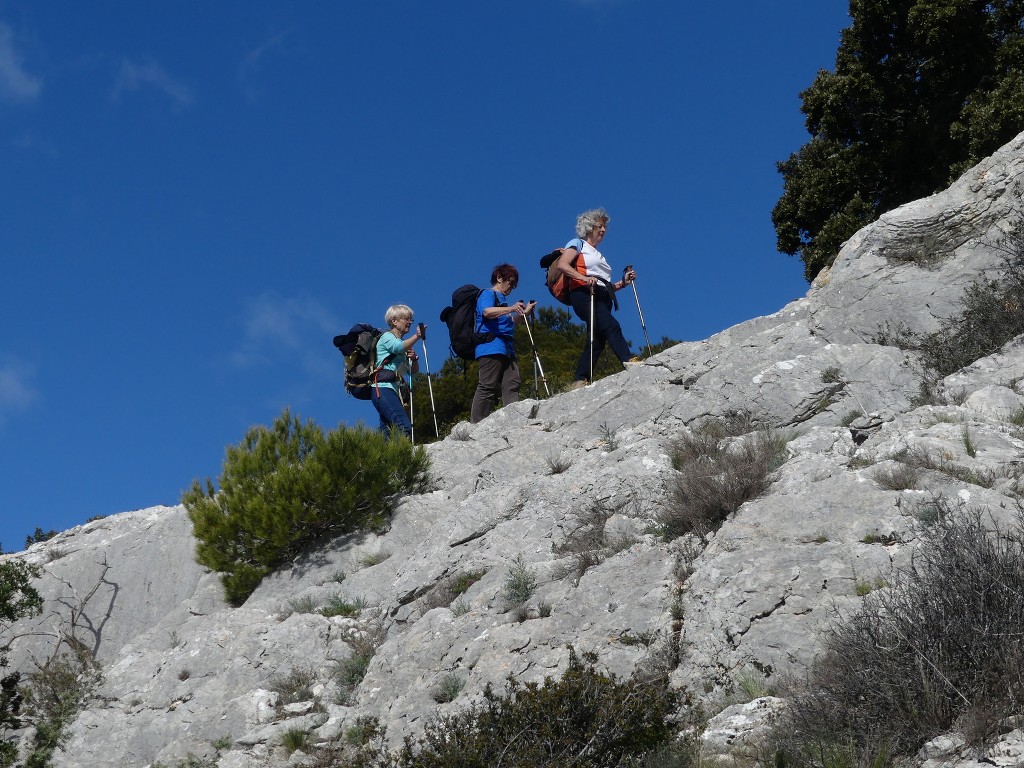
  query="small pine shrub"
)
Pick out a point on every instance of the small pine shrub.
point(294, 739)
point(609, 437)
point(717, 475)
point(851, 417)
point(305, 604)
point(341, 606)
point(520, 584)
point(969, 447)
point(1017, 418)
point(371, 559)
point(939, 647)
point(586, 719)
point(285, 488)
point(448, 688)
point(350, 671)
point(864, 588)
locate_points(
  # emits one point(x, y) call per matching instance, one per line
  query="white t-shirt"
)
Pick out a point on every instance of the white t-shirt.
point(592, 262)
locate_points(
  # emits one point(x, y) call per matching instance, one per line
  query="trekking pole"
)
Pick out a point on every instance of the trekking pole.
point(591, 333)
point(430, 385)
point(639, 311)
point(412, 419)
point(536, 359)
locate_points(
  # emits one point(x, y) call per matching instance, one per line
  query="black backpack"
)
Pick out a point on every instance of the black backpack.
point(460, 318)
point(359, 346)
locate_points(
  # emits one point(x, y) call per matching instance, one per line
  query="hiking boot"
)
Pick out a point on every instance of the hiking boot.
point(635, 360)
point(578, 384)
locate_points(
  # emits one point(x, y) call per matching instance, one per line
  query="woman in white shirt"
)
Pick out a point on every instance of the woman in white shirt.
point(591, 275)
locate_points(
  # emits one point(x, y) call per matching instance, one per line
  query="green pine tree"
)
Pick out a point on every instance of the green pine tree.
point(922, 90)
point(289, 486)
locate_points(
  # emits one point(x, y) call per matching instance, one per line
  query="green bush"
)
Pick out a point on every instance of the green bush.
point(520, 583)
point(586, 719)
point(289, 486)
point(939, 647)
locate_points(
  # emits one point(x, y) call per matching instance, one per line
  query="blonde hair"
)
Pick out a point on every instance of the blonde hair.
point(397, 312)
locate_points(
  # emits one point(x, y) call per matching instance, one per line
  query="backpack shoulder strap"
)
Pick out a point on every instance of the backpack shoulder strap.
point(479, 326)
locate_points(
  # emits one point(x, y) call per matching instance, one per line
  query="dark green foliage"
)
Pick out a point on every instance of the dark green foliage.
point(18, 599)
point(941, 646)
point(922, 90)
point(289, 486)
point(559, 338)
point(39, 536)
point(586, 719)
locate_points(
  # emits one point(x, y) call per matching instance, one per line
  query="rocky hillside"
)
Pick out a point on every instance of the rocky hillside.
point(570, 496)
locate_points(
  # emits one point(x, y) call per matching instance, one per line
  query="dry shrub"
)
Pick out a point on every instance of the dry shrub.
point(921, 458)
point(588, 544)
point(897, 476)
point(991, 314)
point(940, 648)
point(718, 473)
point(450, 589)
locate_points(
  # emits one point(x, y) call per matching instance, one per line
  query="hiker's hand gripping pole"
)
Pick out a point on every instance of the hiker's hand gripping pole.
point(426, 362)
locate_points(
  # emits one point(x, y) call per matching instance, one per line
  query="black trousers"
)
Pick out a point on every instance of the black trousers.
point(607, 330)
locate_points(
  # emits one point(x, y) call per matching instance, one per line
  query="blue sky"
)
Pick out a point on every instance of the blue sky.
point(196, 196)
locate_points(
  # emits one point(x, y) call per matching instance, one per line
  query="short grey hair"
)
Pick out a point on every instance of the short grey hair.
point(397, 312)
point(588, 220)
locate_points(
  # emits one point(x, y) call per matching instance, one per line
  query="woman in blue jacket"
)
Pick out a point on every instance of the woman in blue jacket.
point(499, 373)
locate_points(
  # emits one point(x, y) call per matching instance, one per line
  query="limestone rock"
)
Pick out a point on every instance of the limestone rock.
point(186, 673)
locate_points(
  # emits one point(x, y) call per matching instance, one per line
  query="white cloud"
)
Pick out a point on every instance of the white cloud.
point(249, 69)
point(15, 83)
point(134, 77)
point(17, 391)
point(285, 331)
